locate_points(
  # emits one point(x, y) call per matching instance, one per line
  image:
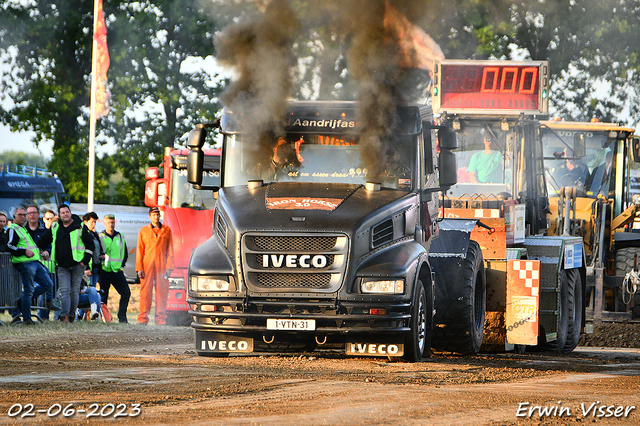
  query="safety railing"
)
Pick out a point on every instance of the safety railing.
point(10, 283)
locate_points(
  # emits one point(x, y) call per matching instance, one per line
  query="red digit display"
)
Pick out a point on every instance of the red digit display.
point(500, 86)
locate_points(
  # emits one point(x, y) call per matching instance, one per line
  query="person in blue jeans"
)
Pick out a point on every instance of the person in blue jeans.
point(36, 228)
point(25, 256)
point(89, 296)
point(71, 249)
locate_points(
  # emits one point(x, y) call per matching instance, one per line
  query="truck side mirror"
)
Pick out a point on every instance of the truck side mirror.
point(579, 145)
point(448, 169)
point(152, 173)
point(447, 138)
point(195, 163)
point(635, 149)
point(196, 138)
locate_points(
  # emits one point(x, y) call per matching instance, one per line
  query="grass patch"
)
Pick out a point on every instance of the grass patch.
point(53, 327)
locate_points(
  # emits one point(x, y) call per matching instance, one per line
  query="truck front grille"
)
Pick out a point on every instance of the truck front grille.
point(320, 281)
point(300, 263)
point(294, 243)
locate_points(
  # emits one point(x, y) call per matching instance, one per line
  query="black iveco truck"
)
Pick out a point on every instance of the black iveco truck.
point(315, 245)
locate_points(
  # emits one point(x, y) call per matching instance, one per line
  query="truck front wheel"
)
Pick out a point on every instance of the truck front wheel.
point(417, 343)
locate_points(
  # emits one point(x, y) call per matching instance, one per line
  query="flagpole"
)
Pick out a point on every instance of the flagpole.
point(92, 115)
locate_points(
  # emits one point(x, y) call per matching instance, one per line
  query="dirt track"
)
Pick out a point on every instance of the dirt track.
point(156, 367)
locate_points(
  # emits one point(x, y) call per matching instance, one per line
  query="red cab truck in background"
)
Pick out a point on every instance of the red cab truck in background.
point(189, 214)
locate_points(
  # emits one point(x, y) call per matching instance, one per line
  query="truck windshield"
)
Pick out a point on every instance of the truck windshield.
point(183, 194)
point(484, 161)
point(318, 158)
point(44, 200)
point(590, 171)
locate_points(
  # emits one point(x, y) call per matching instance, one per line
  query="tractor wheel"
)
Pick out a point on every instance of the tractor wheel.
point(460, 310)
point(575, 308)
point(625, 261)
point(562, 319)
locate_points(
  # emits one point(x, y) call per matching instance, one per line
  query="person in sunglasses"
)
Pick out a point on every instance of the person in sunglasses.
point(486, 166)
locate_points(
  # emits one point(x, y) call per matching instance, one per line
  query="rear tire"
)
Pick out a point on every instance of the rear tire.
point(575, 305)
point(562, 321)
point(460, 308)
point(625, 261)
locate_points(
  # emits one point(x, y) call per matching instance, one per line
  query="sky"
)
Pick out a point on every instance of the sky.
point(21, 142)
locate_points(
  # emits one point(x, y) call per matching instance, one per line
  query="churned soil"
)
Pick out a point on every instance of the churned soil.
point(131, 374)
point(613, 334)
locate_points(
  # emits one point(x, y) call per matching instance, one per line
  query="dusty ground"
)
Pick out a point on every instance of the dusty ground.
point(101, 364)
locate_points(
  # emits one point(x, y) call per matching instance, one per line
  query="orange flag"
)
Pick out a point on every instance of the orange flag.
point(416, 48)
point(102, 93)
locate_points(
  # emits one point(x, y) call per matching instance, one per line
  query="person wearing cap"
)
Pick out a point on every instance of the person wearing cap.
point(116, 255)
point(486, 166)
point(154, 262)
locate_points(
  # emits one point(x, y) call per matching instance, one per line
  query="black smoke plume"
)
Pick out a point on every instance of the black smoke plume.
point(261, 52)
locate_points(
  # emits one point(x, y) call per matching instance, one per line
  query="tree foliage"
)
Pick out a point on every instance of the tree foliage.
point(23, 159)
point(150, 43)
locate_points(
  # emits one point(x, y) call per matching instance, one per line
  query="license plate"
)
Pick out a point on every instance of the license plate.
point(291, 324)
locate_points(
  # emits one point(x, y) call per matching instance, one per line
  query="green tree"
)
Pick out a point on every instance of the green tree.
point(591, 46)
point(48, 80)
point(23, 159)
point(149, 42)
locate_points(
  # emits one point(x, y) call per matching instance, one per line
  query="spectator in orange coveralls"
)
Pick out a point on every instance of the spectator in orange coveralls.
point(154, 262)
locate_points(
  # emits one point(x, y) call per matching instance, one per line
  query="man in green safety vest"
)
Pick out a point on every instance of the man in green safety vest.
point(36, 229)
point(25, 256)
point(115, 257)
point(71, 249)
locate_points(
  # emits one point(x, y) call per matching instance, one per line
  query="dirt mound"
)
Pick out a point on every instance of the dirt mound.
point(615, 335)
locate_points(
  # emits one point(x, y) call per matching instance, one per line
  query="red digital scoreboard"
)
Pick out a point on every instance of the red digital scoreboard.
point(491, 87)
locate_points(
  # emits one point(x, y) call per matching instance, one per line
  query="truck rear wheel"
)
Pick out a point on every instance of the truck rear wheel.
point(575, 304)
point(625, 261)
point(460, 307)
point(417, 343)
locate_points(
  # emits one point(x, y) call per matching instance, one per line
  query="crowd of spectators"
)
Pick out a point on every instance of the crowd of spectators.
point(67, 267)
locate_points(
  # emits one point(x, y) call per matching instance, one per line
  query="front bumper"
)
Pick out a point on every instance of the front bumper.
point(249, 316)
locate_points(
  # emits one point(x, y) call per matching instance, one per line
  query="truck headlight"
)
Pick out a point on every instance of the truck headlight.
point(209, 284)
point(372, 285)
point(176, 283)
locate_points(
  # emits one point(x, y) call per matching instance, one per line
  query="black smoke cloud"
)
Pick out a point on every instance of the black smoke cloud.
point(260, 50)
